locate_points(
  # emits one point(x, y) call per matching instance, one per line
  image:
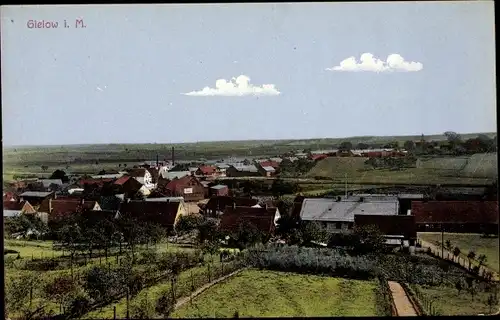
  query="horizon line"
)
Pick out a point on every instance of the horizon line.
point(237, 140)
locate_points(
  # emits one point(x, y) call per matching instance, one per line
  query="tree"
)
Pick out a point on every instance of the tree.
point(409, 145)
point(362, 146)
point(142, 307)
point(247, 235)
point(246, 162)
point(459, 285)
point(188, 223)
point(312, 232)
point(60, 290)
point(287, 224)
point(471, 255)
point(472, 290)
point(456, 252)
point(165, 304)
point(19, 296)
point(482, 259)
point(44, 168)
point(492, 301)
point(448, 245)
point(59, 174)
point(345, 146)
point(281, 187)
point(368, 239)
point(208, 230)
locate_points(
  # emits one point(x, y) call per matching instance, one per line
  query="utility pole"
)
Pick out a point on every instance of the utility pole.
point(346, 185)
point(442, 241)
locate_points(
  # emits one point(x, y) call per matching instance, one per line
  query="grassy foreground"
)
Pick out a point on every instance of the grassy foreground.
point(256, 293)
point(466, 242)
point(449, 303)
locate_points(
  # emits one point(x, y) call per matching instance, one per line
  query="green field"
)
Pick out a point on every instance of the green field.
point(35, 249)
point(448, 302)
point(256, 293)
point(338, 169)
point(467, 242)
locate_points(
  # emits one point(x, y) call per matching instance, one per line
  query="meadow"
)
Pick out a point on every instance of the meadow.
point(467, 242)
point(254, 293)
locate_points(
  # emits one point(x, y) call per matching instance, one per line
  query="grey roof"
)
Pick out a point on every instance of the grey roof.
point(219, 186)
point(37, 194)
point(249, 168)
point(222, 165)
point(48, 182)
point(344, 211)
point(11, 213)
point(276, 159)
point(205, 183)
point(388, 196)
point(268, 168)
point(175, 174)
point(193, 168)
point(120, 196)
point(165, 199)
point(108, 176)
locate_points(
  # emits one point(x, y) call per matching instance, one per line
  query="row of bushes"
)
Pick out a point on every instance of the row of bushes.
point(336, 262)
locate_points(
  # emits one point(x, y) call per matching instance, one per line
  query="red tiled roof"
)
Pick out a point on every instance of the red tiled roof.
point(163, 213)
point(389, 225)
point(221, 202)
point(269, 163)
point(262, 220)
point(69, 206)
point(250, 211)
point(207, 170)
point(13, 205)
point(173, 184)
point(99, 182)
point(122, 180)
point(455, 212)
point(318, 156)
point(9, 196)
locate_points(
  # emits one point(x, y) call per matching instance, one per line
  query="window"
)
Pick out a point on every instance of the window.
point(338, 225)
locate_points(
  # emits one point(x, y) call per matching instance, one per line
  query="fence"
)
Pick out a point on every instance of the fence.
point(389, 306)
point(463, 262)
point(183, 286)
point(424, 302)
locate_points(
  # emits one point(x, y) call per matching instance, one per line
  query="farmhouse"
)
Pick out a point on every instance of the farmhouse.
point(174, 174)
point(267, 171)
point(402, 227)
point(336, 215)
point(221, 169)
point(456, 216)
point(242, 171)
point(164, 213)
point(206, 171)
point(16, 208)
point(264, 219)
point(52, 184)
point(219, 190)
point(188, 187)
point(56, 208)
point(143, 176)
point(35, 198)
point(216, 205)
point(130, 186)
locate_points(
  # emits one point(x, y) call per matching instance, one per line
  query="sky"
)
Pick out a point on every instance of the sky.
point(202, 72)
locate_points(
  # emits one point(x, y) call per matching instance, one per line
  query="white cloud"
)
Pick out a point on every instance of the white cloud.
point(368, 63)
point(236, 87)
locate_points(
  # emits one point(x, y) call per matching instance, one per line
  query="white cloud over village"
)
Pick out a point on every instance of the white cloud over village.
point(369, 63)
point(236, 87)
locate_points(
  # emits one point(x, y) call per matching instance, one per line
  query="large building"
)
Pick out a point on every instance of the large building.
point(337, 215)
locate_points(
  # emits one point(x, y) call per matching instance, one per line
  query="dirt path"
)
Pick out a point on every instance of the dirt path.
point(401, 300)
point(185, 300)
point(463, 262)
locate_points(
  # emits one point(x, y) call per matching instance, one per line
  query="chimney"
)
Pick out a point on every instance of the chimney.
point(173, 156)
point(127, 200)
point(50, 206)
point(234, 205)
point(82, 201)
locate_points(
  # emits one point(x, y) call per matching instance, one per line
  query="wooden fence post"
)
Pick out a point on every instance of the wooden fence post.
point(114, 312)
point(127, 302)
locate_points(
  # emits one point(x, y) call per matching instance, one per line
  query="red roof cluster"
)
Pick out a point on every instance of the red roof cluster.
point(461, 212)
point(13, 205)
point(9, 196)
point(65, 207)
point(122, 180)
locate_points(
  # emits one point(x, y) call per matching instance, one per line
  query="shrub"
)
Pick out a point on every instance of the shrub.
point(142, 308)
point(165, 304)
point(79, 305)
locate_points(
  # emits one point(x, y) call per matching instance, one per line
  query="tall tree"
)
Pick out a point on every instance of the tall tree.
point(345, 146)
